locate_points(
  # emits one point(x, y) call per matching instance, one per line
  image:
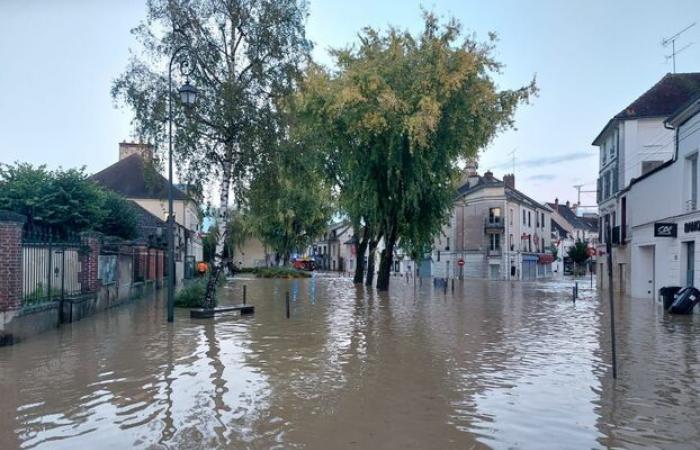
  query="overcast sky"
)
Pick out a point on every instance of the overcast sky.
point(591, 58)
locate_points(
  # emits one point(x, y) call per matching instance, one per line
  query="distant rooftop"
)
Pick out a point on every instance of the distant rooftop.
point(669, 94)
point(133, 178)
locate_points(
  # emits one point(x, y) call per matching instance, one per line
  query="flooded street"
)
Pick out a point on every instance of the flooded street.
point(496, 365)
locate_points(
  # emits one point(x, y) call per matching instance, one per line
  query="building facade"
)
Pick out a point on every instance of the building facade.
point(633, 143)
point(495, 232)
point(664, 215)
point(567, 229)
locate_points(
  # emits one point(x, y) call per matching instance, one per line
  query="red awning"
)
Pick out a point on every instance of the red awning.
point(545, 259)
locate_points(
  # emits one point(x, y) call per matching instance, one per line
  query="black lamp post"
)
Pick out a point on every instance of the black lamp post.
point(188, 96)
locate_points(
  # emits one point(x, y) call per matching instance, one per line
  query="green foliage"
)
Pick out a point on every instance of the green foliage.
point(555, 253)
point(280, 272)
point(578, 252)
point(246, 56)
point(209, 245)
point(397, 116)
point(67, 201)
point(290, 202)
point(120, 216)
point(192, 294)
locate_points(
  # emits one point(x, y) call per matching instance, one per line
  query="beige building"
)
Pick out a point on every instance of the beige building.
point(498, 233)
point(134, 177)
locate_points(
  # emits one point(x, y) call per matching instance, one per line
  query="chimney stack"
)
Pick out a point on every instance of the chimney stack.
point(509, 180)
point(127, 149)
point(488, 175)
point(567, 204)
point(556, 202)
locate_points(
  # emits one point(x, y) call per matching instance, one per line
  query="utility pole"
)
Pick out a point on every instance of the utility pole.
point(512, 155)
point(579, 192)
point(672, 41)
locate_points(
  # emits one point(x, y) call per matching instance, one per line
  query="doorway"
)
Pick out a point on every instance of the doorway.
point(690, 263)
point(645, 286)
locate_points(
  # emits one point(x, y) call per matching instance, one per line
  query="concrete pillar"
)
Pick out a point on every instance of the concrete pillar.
point(11, 257)
point(88, 261)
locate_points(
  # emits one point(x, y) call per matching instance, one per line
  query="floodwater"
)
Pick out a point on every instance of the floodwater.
point(495, 365)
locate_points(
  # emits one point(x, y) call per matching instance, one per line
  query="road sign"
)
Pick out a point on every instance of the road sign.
point(460, 261)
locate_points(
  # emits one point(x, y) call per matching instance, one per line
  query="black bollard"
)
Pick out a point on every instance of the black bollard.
point(577, 289)
point(244, 294)
point(453, 285)
point(444, 283)
point(573, 294)
point(286, 301)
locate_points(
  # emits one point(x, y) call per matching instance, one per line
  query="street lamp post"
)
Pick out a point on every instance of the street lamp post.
point(188, 95)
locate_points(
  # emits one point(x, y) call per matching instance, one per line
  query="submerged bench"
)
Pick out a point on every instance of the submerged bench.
point(207, 313)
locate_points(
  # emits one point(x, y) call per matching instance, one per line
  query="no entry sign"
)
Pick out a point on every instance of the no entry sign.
point(460, 261)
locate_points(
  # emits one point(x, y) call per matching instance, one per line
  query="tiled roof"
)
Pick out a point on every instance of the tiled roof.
point(665, 97)
point(580, 223)
point(486, 182)
point(558, 228)
point(132, 178)
point(668, 95)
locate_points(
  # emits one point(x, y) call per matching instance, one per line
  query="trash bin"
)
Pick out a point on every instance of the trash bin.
point(685, 301)
point(667, 295)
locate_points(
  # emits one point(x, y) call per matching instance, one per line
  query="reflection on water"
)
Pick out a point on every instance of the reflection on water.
point(496, 364)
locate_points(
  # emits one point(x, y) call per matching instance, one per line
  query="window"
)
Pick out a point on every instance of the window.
point(542, 222)
point(511, 217)
point(603, 153)
point(529, 219)
point(524, 218)
point(438, 255)
point(494, 215)
point(447, 247)
point(510, 242)
point(692, 202)
point(494, 241)
point(606, 185)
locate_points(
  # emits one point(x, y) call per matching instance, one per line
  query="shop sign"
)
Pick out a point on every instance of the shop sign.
point(689, 227)
point(663, 229)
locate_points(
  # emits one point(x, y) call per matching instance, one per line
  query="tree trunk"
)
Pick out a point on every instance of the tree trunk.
point(371, 258)
point(360, 257)
point(386, 261)
point(219, 260)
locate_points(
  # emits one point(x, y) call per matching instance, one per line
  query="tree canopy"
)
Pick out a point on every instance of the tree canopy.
point(397, 116)
point(245, 56)
point(65, 201)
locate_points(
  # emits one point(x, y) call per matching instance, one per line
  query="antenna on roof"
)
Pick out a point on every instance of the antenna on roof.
point(579, 191)
point(672, 40)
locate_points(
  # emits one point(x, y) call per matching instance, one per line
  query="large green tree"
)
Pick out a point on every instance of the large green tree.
point(65, 201)
point(399, 113)
point(290, 201)
point(246, 56)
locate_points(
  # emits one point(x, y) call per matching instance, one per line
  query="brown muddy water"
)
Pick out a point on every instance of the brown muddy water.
point(496, 365)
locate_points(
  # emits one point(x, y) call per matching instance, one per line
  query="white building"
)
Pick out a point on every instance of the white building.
point(498, 233)
point(663, 213)
point(567, 229)
point(633, 143)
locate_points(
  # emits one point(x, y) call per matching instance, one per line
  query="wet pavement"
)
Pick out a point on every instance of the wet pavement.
point(494, 365)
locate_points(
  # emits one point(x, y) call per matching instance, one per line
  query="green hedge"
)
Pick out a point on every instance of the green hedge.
point(192, 295)
point(280, 272)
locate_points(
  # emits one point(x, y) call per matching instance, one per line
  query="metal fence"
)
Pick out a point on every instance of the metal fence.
point(51, 267)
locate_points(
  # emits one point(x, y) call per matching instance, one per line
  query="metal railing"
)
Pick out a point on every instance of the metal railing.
point(50, 266)
point(690, 205)
point(493, 222)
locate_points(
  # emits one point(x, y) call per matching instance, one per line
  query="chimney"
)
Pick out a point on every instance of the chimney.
point(471, 171)
point(509, 180)
point(556, 202)
point(567, 204)
point(127, 149)
point(488, 175)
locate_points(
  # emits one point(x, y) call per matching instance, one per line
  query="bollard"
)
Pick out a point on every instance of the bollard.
point(444, 284)
point(244, 294)
point(286, 301)
point(453, 285)
point(577, 289)
point(573, 294)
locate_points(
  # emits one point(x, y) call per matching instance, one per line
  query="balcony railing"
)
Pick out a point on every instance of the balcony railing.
point(493, 223)
point(494, 252)
point(691, 205)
